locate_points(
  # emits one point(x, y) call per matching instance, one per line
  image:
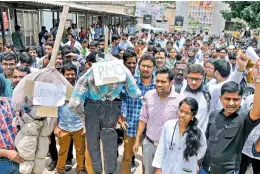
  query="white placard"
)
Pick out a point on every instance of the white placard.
point(48, 94)
point(108, 72)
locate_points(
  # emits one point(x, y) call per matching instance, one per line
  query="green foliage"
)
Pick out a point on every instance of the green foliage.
point(249, 11)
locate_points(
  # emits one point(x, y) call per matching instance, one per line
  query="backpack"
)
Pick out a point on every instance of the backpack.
point(207, 95)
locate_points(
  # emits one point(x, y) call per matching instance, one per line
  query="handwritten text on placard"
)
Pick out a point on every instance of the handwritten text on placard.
point(109, 72)
point(48, 94)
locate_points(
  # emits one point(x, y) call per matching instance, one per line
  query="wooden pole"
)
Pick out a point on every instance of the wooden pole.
point(102, 157)
point(59, 35)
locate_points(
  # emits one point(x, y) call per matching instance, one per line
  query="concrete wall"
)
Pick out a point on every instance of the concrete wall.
point(218, 23)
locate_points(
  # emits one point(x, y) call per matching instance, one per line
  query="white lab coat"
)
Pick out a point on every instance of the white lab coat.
point(172, 161)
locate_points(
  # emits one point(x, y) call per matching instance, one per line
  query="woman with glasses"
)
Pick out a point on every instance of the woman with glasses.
point(182, 143)
point(209, 71)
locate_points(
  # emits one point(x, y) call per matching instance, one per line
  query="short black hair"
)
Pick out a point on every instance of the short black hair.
point(151, 48)
point(195, 68)
point(232, 56)
point(31, 48)
point(178, 57)
point(102, 39)
point(68, 66)
point(115, 37)
point(23, 69)
point(84, 41)
point(91, 57)
point(159, 50)
point(75, 50)
point(93, 43)
point(9, 56)
point(65, 50)
point(169, 42)
point(231, 87)
point(50, 43)
point(147, 57)
point(129, 53)
point(223, 67)
point(17, 27)
point(165, 70)
point(25, 57)
point(223, 48)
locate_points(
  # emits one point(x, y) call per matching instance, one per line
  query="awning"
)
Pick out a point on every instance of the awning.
point(54, 5)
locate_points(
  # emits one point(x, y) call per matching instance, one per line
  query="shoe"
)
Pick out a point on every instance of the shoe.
point(68, 166)
point(133, 167)
point(48, 154)
point(52, 165)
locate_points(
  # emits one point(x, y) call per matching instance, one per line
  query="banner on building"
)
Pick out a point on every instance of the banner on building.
point(147, 19)
point(178, 24)
point(200, 15)
point(142, 9)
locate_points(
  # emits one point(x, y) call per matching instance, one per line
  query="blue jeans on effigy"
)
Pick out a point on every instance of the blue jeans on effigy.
point(100, 121)
point(8, 167)
point(202, 171)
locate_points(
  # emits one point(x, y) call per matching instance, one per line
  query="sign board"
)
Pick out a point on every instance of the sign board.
point(200, 15)
point(147, 19)
point(108, 72)
point(48, 94)
point(142, 9)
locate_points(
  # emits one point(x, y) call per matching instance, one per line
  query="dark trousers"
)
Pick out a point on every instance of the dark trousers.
point(100, 121)
point(246, 161)
point(53, 149)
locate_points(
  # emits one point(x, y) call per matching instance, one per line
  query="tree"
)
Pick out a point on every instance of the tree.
point(249, 11)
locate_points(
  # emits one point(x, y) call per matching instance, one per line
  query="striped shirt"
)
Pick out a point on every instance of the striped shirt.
point(86, 88)
point(133, 107)
point(7, 131)
point(156, 112)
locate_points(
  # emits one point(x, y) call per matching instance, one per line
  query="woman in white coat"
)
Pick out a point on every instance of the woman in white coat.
point(182, 143)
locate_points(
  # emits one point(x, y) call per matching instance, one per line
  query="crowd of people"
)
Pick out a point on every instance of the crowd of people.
point(182, 100)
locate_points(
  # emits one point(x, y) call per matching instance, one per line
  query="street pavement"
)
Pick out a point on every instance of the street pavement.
point(138, 161)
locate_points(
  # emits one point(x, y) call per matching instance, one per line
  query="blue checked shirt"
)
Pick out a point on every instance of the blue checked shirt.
point(131, 108)
point(86, 88)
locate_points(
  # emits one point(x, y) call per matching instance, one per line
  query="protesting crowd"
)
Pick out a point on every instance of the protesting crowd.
point(183, 103)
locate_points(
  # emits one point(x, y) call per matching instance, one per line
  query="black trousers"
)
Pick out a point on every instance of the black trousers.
point(53, 149)
point(246, 161)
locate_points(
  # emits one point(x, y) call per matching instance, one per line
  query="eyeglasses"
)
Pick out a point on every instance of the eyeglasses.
point(184, 112)
point(222, 52)
point(194, 79)
point(10, 64)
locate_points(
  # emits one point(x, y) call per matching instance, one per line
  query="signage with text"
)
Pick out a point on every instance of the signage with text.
point(108, 72)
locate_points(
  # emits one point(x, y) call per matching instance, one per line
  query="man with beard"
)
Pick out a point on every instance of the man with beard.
point(159, 106)
point(208, 100)
point(58, 62)
point(129, 122)
point(179, 73)
point(69, 127)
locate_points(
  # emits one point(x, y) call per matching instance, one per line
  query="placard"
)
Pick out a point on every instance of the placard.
point(108, 72)
point(48, 94)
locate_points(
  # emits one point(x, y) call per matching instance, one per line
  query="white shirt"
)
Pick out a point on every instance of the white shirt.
point(203, 113)
point(172, 161)
point(76, 45)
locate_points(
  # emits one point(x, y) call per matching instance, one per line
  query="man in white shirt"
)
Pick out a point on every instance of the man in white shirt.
point(73, 42)
point(209, 100)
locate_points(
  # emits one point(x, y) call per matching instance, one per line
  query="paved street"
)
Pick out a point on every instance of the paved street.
point(138, 160)
point(138, 163)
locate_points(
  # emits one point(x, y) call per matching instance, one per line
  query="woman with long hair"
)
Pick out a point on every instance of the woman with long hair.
point(182, 143)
